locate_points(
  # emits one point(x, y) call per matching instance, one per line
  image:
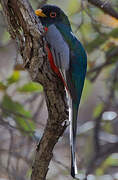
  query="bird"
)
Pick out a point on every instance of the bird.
point(68, 60)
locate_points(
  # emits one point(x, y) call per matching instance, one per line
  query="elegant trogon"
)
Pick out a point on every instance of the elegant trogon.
point(68, 60)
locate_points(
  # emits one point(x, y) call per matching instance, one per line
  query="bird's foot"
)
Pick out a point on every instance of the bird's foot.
point(66, 123)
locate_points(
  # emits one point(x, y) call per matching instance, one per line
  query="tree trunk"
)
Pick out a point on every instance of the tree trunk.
point(25, 28)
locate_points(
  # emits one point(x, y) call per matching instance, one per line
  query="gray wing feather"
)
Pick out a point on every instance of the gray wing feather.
point(59, 48)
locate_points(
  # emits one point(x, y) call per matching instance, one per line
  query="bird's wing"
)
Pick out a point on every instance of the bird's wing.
point(58, 47)
point(61, 56)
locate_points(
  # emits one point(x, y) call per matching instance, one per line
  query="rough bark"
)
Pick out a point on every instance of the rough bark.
point(26, 29)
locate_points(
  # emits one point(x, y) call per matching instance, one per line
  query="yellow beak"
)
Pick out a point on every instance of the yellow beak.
point(40, 13)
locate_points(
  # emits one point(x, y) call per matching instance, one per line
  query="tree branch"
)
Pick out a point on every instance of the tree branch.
point(105, 152)
point(26, 29)
point(105, 6)
point(111, 58)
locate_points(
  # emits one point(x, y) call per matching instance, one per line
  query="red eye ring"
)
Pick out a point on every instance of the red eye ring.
point(53, 14)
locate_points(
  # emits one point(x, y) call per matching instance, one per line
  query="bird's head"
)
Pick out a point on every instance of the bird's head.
point(50, 14)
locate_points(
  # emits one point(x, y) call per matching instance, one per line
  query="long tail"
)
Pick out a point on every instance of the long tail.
point(73, 111)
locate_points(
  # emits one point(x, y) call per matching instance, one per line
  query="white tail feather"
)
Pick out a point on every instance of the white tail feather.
point(73, 156)
point(71, 136)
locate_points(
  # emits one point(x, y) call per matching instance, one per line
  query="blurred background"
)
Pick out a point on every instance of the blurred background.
point(23, 112)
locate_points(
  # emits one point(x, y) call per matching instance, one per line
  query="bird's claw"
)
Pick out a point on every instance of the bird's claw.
point(66, 123)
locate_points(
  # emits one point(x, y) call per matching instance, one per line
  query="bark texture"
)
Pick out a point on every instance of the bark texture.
point(27, 31)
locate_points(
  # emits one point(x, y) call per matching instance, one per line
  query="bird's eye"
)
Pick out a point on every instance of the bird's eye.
point(53, 14)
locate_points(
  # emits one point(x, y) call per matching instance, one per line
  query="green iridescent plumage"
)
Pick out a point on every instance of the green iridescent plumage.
point(77, 72)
